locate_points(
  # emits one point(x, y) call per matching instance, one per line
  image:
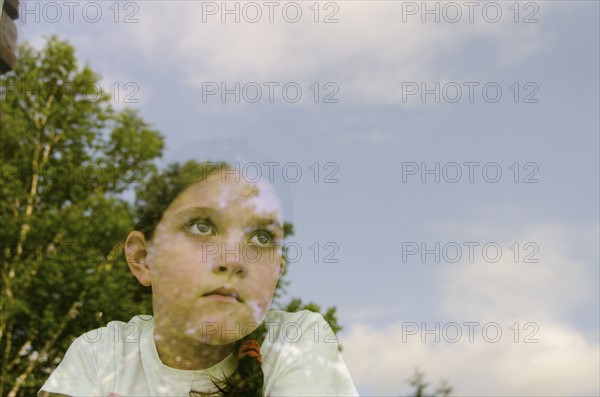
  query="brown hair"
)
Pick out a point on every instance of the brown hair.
point(247, 379)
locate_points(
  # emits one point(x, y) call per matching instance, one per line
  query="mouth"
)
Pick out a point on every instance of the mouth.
point(224, 294)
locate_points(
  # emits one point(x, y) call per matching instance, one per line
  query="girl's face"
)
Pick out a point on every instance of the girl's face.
point(215, 259)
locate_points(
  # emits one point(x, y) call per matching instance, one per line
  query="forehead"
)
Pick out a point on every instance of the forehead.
point(228, 192)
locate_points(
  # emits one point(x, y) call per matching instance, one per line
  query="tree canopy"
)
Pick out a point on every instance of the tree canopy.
point(66, 157)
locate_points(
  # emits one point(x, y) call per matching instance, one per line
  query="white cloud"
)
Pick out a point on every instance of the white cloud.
point(532, 282)
point(564, 360)
point(369, 53)
point(561, 363)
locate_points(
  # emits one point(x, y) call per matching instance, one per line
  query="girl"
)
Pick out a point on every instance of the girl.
point(209, 244)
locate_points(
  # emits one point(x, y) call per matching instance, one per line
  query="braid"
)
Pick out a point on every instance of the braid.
point(247, 380)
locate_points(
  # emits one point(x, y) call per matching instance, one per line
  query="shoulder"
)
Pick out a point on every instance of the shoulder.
point(91, 362)
point(302, 346)
point(112, 339)
point(304, 325)
point(116, 332)
point(302, 317)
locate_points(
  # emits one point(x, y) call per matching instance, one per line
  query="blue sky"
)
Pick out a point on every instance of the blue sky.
point(376, 52)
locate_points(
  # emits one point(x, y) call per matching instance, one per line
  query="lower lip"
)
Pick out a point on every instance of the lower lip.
point(221, 298)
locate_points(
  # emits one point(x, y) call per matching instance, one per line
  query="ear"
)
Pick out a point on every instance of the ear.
point(136, 253)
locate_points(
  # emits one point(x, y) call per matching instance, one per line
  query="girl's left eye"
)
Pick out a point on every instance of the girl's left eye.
point(263, 238)
point(200, 228)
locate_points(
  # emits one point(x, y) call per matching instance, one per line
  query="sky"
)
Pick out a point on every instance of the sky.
point(441, 159)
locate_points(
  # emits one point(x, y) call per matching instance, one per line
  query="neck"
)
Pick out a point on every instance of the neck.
point(183, 352)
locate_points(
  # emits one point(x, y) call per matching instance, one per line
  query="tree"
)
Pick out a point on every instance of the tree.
point(418, 382)
point(66, 158)
point(330, 315)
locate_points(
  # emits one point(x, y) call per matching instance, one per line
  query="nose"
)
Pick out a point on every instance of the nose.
point(231, 261)
point(234, 268)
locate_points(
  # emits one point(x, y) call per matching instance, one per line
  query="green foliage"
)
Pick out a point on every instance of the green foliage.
point(330, 315)
point(66, 157)
point(418, 382)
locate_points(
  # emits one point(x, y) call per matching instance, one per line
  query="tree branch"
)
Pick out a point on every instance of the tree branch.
point(71, 314)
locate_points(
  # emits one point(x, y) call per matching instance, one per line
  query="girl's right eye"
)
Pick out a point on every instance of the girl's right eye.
point(200, 227)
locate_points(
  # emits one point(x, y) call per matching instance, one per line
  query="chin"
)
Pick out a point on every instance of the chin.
point(224, 329)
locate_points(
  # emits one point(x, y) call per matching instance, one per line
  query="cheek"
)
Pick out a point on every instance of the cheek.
point(259, 312)
point(259, 306)
point(178, 269)
point(176, 254)
point(261, 293)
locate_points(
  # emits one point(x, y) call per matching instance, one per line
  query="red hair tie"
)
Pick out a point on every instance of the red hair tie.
point(250, 348)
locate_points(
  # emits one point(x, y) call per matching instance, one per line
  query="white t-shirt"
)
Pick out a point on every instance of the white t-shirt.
point(300, 358)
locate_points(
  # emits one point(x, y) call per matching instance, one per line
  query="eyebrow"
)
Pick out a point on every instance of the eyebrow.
point(192, 212)
point(264, 222)
point(186, 214)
